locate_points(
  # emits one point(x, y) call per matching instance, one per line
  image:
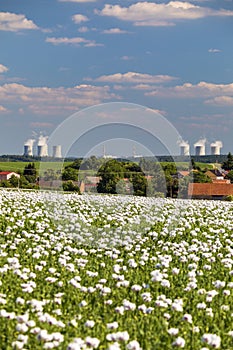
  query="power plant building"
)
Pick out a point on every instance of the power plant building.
point(57, 151)
point(199, 147)
point(215, 148)
point(184, 149)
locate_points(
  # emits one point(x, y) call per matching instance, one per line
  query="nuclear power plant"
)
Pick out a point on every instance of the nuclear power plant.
point(28, 147)
point(215, 148)
point(57, 151)
point(200, 148)
point(184, 148)
point(42, 148)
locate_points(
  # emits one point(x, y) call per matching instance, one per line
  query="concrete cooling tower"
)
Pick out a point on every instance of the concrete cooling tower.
point(215, 148)
point(184, 148)
point(57, 151)
point(28, 147)
point(42, 147)
point(199, 147)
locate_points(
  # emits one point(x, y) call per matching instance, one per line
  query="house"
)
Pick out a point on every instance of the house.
point(214, 190)
point(6, 175)
point(215, 174)
point(182, 173)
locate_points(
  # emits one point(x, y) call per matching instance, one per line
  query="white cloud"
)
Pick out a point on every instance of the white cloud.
point(78, 1)
point(221, 101)
point(72, 41)
point(133, 77)
point(13, 22)
point(78, 18)
point(3, 68)
point(114, 31)
point(164, 14)
point(214, 50)
point(45, 100)
point(212, 94)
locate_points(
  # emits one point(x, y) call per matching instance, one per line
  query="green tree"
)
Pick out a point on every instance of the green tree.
point(139, 184)
point(200, 177)
point(70, 174)
point(110, 173)
point(70, 186)
point(229, 176)
point(228, 164)
point(30, 172)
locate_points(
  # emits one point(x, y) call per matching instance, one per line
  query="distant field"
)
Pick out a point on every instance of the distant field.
point(19, 166)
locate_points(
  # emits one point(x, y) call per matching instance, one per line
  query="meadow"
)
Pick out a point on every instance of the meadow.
point(114, 272)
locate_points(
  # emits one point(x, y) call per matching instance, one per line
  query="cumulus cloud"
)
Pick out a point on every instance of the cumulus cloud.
point(3, 68)
point(213, 94)
point(221, 101)
point(78, 18)
point(164, 14)
point(15, 22)
point(48, 101)
point(72, 41)
point(114, 31)
point(133, 77)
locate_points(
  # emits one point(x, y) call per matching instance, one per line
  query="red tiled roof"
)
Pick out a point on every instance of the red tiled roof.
point(184, 172)
point(5, 172)
point(210, 189)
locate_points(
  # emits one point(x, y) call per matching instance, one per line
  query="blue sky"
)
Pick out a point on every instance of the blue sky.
point(58, 57)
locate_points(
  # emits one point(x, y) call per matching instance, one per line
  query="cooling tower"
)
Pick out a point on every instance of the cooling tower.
point(42, 147)
point(199, 147)
point(42, 150)
point(57, 151)
point(28, 150)
point(28, 147)
point(184, 149)
point(215, 148)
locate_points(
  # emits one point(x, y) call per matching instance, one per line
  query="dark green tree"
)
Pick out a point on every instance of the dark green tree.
point(200, 177)
point(228, 164)
point(139, 183)
point(229, 176)
point(70, 174)
point(70, 186)
point(110, 173)
point(30, 172)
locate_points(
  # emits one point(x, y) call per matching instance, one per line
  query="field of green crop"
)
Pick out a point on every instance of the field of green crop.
point(114, 272)
point(19, 166)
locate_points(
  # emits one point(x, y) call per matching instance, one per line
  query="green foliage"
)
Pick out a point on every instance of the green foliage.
point(70, 187)
point(200, 177)
point(228, 198)
point(30, 172)
point(70, 174)
point(229, 176)
point(111, 172)
point(228, 164)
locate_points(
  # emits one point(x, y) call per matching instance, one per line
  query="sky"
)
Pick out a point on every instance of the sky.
point(59, 57)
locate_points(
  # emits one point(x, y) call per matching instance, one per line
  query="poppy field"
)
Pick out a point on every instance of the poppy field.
point(114, 272)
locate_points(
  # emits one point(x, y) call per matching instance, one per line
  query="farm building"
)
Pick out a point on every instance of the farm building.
point(6, 175)
point(215, 190)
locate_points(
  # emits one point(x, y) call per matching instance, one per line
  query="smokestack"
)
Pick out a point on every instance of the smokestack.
point(199, 147)
point(28, 147)
point(57, 151)
point(215, 148)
